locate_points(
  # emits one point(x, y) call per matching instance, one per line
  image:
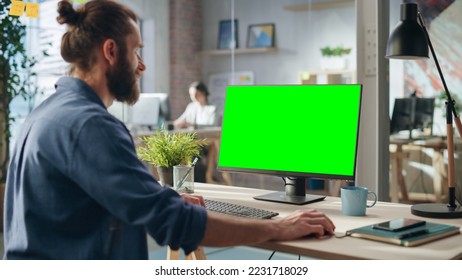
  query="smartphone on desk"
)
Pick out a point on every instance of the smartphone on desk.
point(399, 224)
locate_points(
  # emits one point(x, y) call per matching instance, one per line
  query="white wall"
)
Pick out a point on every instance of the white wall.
point(299, 37)
point(155, 33)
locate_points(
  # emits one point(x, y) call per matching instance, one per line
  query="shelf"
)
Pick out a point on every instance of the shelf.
point(340, 76)
point(319, 6)
point(237, 51)
point(331, 71)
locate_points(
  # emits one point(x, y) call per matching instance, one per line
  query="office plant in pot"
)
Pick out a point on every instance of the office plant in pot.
point(334, 57)
point(165, 150)
point(16, 71)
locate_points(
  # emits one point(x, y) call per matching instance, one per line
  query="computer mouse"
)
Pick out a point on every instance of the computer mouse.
point(314, 235)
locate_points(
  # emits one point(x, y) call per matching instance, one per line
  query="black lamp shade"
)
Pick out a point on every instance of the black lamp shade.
point(408, 39)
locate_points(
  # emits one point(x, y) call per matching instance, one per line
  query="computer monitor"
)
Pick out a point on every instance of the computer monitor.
point(119, 110)
point(294, 131)
point(412, 113)
point(145, 112)
point(164, 113)
point(402, 117)
point(424, 111)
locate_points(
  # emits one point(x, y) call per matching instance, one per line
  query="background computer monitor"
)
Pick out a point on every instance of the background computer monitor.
point(301, 131)
point(145, 108)
point(412, 113)
point(424, 111)
point(145, 112)
point(402, 117)
point(164, 109)
point(119, 110)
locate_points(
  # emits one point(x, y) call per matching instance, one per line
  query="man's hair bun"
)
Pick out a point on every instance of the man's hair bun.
point(89, 25)
point(67, 14)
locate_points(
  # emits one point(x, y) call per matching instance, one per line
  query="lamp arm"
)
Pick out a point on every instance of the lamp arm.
point(448, 95)
point(450, 112)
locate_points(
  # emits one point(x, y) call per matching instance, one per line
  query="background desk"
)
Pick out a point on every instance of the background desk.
point(347, 247)
point(398, 188)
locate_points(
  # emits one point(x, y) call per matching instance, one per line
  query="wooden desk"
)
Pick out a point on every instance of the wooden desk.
point(346, 247)
point(440, 175)
point(398, 189)
point(398, 185)
point(209, 132)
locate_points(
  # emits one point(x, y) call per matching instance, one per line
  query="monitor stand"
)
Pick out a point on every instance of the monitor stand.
point(294, 194)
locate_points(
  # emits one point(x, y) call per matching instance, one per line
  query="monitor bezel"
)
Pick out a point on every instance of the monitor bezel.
point(290, 174)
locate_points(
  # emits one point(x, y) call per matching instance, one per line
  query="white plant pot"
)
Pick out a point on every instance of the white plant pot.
point(333, 63)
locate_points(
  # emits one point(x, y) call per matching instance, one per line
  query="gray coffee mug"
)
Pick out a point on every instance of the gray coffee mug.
point(354, 200)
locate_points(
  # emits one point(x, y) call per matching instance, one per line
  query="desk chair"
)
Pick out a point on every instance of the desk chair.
point(198, 254)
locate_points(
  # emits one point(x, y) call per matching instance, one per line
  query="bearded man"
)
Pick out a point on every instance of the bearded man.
point(75, 187)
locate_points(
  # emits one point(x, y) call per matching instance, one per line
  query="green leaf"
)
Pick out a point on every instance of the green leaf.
point(166, 149)
point(335, 51)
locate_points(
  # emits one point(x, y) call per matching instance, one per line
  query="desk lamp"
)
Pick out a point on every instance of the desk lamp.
point(410, 40)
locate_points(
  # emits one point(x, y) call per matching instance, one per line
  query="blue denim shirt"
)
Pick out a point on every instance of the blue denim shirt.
point(76, 189)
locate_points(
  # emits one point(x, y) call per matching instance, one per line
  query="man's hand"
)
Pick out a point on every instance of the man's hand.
point(302, 223)
point(193, 199)
point(223, 230)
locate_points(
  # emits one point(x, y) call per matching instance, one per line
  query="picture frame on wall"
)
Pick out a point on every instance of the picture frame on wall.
point(225, 34)
point(261, 35)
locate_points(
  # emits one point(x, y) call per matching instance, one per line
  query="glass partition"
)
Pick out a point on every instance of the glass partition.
point(425, 169)
point(278, 42)
point(228, 42)
point(420, 77)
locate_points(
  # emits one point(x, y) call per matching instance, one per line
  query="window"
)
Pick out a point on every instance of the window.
point(43, 33)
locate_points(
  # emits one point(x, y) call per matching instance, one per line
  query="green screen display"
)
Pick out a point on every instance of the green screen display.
point(291, 130)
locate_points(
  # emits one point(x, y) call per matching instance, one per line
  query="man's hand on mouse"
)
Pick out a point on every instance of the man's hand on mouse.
point(303, 223)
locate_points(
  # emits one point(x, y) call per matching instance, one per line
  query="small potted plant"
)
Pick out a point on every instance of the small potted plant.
point(165, 150)
point(334, 57)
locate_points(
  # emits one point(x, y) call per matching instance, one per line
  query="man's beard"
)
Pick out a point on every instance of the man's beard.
point(121, 81)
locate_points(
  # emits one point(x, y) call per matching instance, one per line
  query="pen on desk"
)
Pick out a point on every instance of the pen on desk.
point(413, 233)
point(180, 184)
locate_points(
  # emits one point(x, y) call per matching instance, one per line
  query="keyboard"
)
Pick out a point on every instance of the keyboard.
point(238, 210)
